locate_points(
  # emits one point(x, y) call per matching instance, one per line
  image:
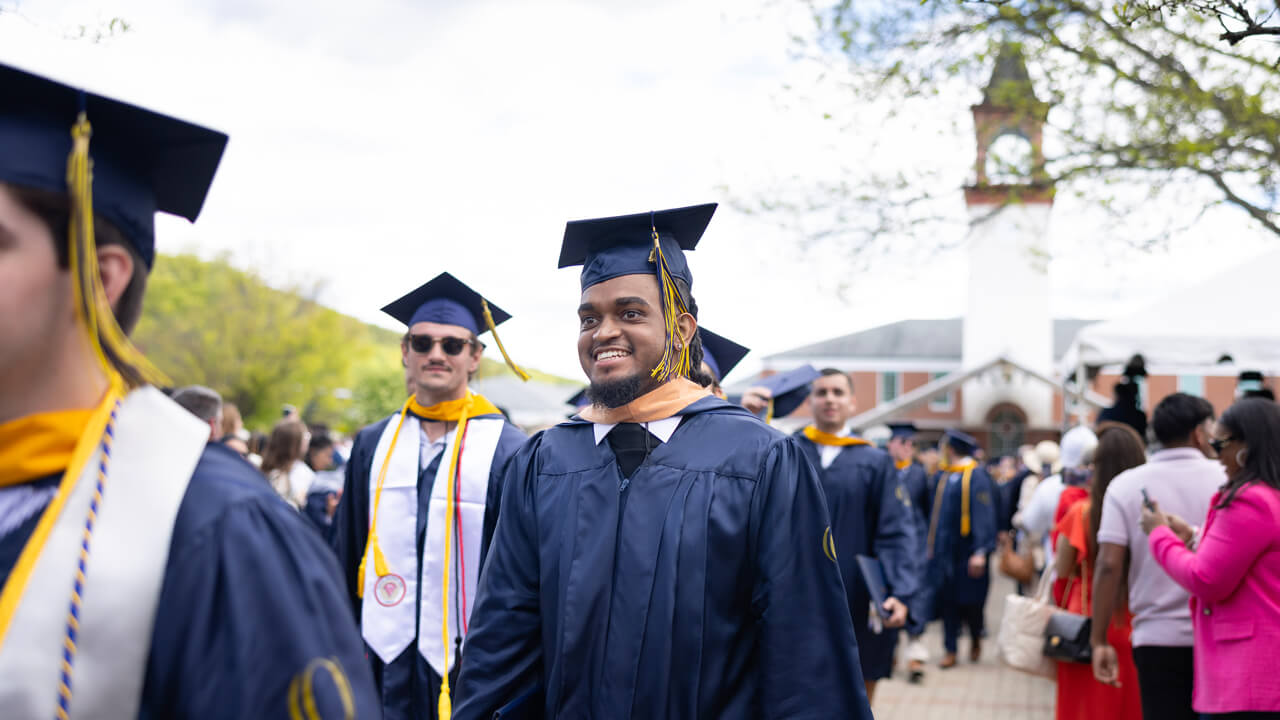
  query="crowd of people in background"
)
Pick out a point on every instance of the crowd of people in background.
point(1165, 533)
point(302, 463)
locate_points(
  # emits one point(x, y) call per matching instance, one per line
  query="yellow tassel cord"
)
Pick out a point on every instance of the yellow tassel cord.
point(493, 330)
point(379, 561)
point(115, 353)
point(768, 413)
point(444, 708)
point(965, 521)
point(675, 360)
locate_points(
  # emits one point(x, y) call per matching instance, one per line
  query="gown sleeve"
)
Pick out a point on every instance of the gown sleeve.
point(350, 528)
point(510, 442)
point(253, 621)
point(503, 657)
point(808, 654)
point(895, 539)
point(983, 512)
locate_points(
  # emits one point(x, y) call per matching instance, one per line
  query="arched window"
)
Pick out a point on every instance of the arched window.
point(1009, 159)
point(1008, 426)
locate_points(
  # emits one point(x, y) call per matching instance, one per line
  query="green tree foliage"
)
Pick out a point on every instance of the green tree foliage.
point(209, 323)
point(1150, 100)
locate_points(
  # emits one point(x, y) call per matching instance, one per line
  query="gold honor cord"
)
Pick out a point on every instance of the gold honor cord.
point(379, 561)
point(493, 330)
point(675, 360)
point(110, 345)
point(967, 469)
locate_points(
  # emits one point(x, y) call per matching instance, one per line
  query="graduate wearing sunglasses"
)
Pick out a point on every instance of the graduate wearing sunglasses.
point(420, 500)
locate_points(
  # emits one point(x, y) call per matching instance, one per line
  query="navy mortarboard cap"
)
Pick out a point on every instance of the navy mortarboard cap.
point(961, 442)
point(611, 247)
point(789, 389)
point(720, 353)
point(902, 429)
point(448, 301)
point(579, 400)
point(142, 162)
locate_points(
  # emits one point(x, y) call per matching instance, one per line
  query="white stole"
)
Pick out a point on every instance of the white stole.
point(387, 612)
point(156, 447)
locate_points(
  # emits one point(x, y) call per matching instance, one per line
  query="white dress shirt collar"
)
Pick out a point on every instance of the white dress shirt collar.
point(662, 429)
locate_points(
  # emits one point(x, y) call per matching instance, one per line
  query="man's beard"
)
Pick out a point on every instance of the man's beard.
point(616, 393)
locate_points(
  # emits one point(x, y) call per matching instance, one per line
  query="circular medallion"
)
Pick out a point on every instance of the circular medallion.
point(389, 590)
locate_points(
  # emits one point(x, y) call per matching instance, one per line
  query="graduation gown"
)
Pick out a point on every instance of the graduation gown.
point(250, 598)
point(870, 515)
point(702, 587)
point(409, 687)
point(949, 564)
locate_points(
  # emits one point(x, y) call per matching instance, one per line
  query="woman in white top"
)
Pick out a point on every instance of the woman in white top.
point(282, 461)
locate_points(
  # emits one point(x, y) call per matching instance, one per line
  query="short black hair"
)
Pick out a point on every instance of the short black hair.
point(828, 372)
point(1177, 416)
point(696, 352)
point(199, 400)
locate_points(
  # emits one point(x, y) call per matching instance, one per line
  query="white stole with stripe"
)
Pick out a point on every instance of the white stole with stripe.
point(388, 611)
point(156, 447)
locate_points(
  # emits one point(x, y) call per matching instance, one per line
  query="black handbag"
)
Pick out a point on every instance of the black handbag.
point(1066, 637)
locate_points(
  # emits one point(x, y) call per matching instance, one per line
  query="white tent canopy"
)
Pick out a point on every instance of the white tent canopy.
point(1228, 314)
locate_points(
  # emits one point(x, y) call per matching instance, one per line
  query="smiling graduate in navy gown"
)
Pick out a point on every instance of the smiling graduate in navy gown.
point(661, 554)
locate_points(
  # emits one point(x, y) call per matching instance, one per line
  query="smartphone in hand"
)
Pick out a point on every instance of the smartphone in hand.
point(1146, 500)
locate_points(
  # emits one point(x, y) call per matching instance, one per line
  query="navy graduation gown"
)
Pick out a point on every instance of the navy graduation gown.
point(949, 565)
point(870, 515)
point(408, 686)
point(250, 597)
point(705, 592)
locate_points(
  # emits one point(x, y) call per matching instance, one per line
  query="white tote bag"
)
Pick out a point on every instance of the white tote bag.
point(1021, 638)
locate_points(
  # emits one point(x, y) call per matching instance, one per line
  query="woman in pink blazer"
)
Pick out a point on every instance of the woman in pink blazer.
point(1233, 571)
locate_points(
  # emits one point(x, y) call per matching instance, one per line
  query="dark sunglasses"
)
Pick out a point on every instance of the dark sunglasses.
point(1218, 443)
point(450, 345)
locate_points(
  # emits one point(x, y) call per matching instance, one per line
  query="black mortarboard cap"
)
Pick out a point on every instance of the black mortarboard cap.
point(611, 247)
point(448, 301)
point(721, 353)
point(579, 400)
point(960, 441)
point(143, 162)
point(790, 388)
point(902, 429)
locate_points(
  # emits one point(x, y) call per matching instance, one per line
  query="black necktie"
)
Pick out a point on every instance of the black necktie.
point(631, 443)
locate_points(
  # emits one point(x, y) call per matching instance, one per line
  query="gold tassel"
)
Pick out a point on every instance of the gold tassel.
point(493, 330)
point(123, 363)
point(768, 413)
point(444, 705)
point(675, 360)
point(379, 560)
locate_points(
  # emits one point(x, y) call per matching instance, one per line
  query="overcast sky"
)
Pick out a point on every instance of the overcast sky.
point(375, 143)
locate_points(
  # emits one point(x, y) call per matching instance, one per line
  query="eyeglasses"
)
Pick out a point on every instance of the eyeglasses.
point(450, 345)
point(1218, 443)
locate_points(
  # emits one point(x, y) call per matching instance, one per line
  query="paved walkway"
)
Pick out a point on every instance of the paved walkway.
point(986, 690)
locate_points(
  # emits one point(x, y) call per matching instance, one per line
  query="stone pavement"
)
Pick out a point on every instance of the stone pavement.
point(986, 690)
